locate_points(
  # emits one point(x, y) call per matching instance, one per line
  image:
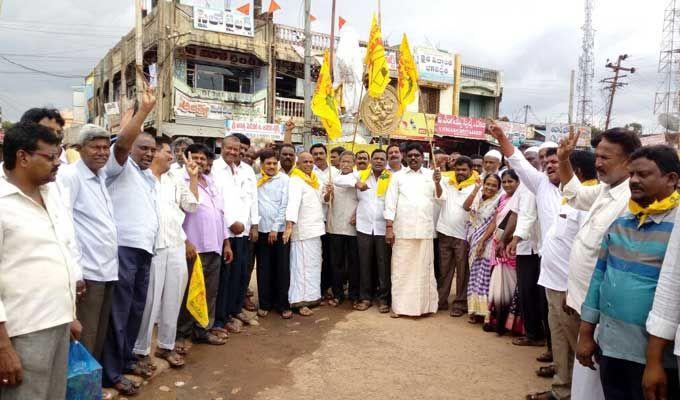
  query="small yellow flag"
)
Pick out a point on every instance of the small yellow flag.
point(324, 105)
point(376, 63)
point(196, 300)
point(408, 77)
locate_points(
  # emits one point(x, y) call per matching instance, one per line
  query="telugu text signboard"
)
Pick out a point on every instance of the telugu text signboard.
point(434, 65)
point(460, 127)
point(253, 130)
point(555, 133)
point(235, 18)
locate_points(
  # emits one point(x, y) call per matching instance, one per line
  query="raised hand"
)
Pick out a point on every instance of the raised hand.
point(148, 100)
point(567, 146)
point(191, 166)
point(290, 125)
point(494, 130)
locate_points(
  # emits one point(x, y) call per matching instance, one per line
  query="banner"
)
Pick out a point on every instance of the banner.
point(414, 127)
point(273, 132)
point(434, 65)
point(516, 132)
point(235, 17)
point(555, 133)
point(460, 127)
point(653, 140)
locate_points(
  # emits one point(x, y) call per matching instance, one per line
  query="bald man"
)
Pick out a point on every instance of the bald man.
point(304, 228)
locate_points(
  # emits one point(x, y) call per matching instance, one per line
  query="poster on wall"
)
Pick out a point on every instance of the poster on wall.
point(234, 17)
point(414, 126)
point(516, 132)
point(253, 130)
point(460, 127)
point(555, 133)
point(434, 65)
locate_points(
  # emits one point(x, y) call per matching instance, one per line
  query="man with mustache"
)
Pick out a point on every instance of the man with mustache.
point(88, 199)
point(604, 203)
point(623, 285)
point(133, 194)
point(559, 225)
point(287, 158)
point(362, 160)
point(38, 273)
point(394, 158)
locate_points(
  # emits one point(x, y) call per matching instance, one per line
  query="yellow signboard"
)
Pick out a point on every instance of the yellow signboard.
point(414, 126)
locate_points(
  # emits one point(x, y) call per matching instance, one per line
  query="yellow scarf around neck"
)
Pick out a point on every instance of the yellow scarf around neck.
point(312, 180)
point(265, 178)
point(590, 182)
point(383, 180)
point(657, 207)
point(462, 185)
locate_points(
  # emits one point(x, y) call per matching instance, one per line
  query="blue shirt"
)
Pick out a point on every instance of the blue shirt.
point(87, 197)
point(133, 194)
point(272, 199)
point(623, 284)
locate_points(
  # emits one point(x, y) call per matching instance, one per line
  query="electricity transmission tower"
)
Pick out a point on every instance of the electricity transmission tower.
point(667, 98)
point(586, 70)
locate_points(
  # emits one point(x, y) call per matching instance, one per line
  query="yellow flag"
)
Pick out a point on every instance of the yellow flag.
point(408, 77)
point(324, 105)
point(196, 300)
point(376, 63)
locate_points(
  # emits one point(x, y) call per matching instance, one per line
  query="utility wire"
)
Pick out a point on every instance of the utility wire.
point(26, 67)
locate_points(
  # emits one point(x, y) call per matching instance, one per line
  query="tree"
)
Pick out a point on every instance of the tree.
point(6, 125)
point(635, 127)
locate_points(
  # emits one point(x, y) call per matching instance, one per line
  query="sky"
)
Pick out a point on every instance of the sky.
point(534, 43)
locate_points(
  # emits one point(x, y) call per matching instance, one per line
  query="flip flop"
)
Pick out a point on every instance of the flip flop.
point(139, 370)
point(546, 357)
point(288, 314)
point(175, 360)
point(305, 312)
point(546, 372)
point(126, 387)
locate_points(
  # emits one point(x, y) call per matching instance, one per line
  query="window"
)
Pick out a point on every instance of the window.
point(227, 79)
point(429, 100)
point(210, 78)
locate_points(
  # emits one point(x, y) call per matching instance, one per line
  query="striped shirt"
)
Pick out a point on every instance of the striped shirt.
point(623, 284)
point(272, 198)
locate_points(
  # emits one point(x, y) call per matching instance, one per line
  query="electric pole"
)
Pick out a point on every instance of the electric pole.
point(614, 82)
point(526, 113)
point(307, 130)
point(139, 54)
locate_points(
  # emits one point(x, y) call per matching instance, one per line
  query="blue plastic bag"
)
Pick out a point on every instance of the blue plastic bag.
point(84, 374)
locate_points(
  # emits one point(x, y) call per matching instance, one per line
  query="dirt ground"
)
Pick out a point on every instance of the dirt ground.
point(344, 354)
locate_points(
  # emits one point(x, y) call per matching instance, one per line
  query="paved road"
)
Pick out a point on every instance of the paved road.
point(340, 354)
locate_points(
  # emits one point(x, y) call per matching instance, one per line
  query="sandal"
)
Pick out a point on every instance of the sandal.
point(138, 370)
point(525, 341)
point(288, 314)
point(362, 305)
point(305, 312)
point(333, 302)
point(541, 396)
point(546, 372)
point(126, 387)
point(383, 309)
point(146, 362)
point(182, 347)
point(472, 319)
point(262, 313)
point(209, 338)
point(457, 313)
point(232, 327)
point(249, 305)
point(220, 332)
point(546, 357)
point(174, 359)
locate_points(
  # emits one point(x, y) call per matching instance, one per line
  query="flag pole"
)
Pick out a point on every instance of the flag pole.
point(356, 117)
point(330, 68)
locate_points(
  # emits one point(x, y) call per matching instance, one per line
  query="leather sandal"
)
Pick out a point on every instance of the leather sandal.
point(175, 360)
point(126, 387)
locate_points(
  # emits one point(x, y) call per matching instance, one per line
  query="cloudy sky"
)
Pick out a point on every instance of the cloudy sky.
point(535, 44)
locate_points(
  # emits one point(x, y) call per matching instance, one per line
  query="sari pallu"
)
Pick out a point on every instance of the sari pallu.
point(503, 284)
point(482, 214)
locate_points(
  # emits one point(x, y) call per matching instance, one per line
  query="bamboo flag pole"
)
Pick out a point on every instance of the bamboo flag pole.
point(356, 118)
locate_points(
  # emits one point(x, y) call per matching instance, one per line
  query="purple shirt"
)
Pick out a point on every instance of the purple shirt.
point(205, 227)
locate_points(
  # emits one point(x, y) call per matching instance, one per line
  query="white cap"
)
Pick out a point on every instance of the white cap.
point(494, 154)
point(532, 149)
point(549, 145)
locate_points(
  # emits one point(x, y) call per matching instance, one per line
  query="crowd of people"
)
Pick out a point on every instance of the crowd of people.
point(567, 249)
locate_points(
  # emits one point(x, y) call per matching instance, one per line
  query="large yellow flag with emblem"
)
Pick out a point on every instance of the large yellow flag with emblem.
point(376, 63)
point(408, 77)
point(196, 300)
point(324, 105)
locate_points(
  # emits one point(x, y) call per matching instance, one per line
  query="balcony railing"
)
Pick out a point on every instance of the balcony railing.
point(291, 108)
point(478, 73)
point(296, 37)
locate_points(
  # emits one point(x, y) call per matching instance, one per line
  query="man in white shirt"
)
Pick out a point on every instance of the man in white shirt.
point(336, 152)
point(451, 231)
point(604, 203)
point(38, 273)
point(559, 225)
point(409, 208)
point(342, 235)
point(83, 186)
point(179, 145)
point(394, 158)
point(132, 188)
point(304, 228)
point(238, 183)
point(273, 256)
point(324, 173)
point(374, 253)
point(169, 276)
point(287, 158)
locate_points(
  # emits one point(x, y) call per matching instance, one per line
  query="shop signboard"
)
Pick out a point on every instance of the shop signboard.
point(555, 133)
point(460, 127)
point(434, 65)
point(254, 130)
point(516, 132)
point(414, 126)
point(653, 140)
point(234, 17)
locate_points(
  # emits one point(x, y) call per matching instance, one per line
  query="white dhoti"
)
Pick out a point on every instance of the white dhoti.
point(414, 289)
point(305, 272)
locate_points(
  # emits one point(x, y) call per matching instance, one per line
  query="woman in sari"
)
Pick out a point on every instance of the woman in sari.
point(503, 296)
point(481, 226)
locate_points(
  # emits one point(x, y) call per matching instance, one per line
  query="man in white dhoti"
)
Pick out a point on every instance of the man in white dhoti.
point(409, 209)
point(304, 228)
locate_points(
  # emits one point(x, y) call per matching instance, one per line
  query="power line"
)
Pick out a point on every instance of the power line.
point(26, 67)
point(80, 34)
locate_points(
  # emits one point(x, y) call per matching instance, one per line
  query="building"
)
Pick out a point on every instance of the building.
point(234, 64)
